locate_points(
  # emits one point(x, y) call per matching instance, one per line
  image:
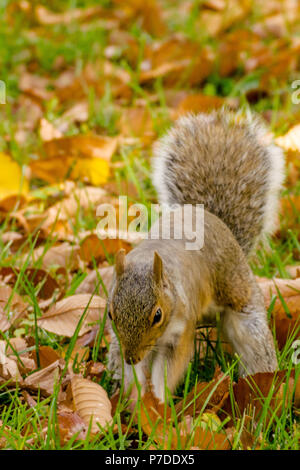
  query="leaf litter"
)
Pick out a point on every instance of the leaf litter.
point(78, 168)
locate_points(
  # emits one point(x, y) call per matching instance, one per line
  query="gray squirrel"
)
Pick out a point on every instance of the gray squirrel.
point(161, 291)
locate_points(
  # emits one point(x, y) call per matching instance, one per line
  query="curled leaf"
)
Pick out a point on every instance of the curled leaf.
point(91, 403)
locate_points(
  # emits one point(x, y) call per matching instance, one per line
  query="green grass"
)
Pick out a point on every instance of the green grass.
point(77, 48)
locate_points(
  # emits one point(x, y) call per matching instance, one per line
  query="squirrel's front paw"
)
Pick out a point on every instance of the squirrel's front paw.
point(114, 363)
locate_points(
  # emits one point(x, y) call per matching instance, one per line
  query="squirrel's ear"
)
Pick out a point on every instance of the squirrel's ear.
point(157, 268)
point(120, 262)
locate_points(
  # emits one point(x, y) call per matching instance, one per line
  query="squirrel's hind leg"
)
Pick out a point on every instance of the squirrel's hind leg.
point(250, 336)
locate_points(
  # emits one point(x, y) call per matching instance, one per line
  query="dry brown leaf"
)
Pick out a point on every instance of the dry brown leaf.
point(17, 344)
point(76, 114)
point(199, 104)
point(57, 219)
point(8, 366)
point(177, 61)
point(12, 203)
point(95, 369)
point(63, 255)
point(289, 209)
point(273, 24)
point(48, 131)
point(89, 284)
point(47, 356)
point(45, 379)
point(69, 424)
point(250, 394)
point(63, 317)
point(15, 349)
point(91, 170)
point(281, 65)
point(5, 434)
point(91, 403)
point(11, 307)
point(214, 393)
point(149, 13)
point(152, 416)
point(93, 247)
point(285, 324)
point(214, 4)
point(82, 146)
point(79, 353)
point(293, 271)
point(48, 284)
point(235, 47)
point(137, 122)
point(78, 157)
point(35, 86)
point(29, 400)
point(47, 17)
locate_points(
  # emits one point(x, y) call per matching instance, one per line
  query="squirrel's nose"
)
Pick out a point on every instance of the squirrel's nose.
point(132, 359)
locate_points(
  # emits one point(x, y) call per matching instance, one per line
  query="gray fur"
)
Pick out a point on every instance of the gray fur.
point(220, 160)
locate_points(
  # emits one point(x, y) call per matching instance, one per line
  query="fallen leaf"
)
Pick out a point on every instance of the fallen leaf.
point(12, 203)
point(95, 369)
point(92, 170)
point(199, 104)
point(250, 394)
point(47, 356)
point(94, 248)
point(8, 366)
point(70, 423)
point(48, 131)
point(35, 86)
point(77, 157)
point(45, 379)
point(47, 17)
point(89, 284)
point(205, 396)
point(177, 61)
point(286, 323)
point(293, 271)
point(11, 307)
point(91, 403)
point(82, 146)
point(12, 181)
point(36, 277)
point(63, 255)
point(156, 421)
point(290, 140)
point(63, 317)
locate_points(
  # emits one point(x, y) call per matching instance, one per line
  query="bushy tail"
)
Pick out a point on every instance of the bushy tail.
point(221, 160)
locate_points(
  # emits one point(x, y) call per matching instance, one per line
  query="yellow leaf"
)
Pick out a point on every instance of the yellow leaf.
point(93, 170)
point(12, 181)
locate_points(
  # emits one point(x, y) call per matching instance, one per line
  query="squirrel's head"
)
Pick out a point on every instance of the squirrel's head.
point(140, 304)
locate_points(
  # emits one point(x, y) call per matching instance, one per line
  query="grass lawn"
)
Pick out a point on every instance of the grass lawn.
point(119, 72)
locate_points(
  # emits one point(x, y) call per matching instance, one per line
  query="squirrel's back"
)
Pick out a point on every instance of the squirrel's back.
point(221, 160)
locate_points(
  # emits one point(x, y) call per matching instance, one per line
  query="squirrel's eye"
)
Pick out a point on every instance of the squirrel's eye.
point(157, 316)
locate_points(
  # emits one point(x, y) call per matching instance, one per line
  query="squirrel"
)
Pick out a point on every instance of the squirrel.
point(161, 291)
